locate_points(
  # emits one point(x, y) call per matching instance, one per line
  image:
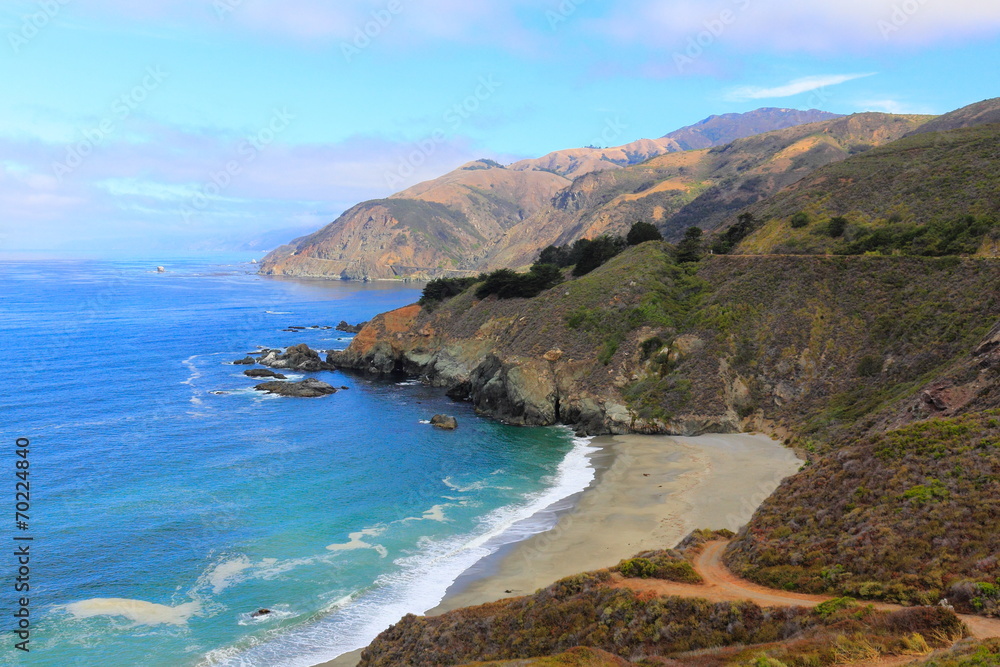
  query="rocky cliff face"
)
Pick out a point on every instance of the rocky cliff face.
point(822, 348)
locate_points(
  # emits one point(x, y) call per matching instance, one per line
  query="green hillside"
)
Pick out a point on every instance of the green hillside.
point(932, 193)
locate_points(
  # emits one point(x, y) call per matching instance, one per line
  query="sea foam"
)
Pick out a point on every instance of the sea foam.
point(421, 580)
point(137, 611)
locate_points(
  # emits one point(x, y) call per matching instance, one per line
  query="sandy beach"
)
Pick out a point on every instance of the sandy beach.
point(649, 492)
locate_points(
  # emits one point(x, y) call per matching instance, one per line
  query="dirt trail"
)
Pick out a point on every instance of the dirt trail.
point(721, 585)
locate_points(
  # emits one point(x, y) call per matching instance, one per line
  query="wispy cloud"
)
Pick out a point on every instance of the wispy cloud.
point(167, 183)
point(792, 88)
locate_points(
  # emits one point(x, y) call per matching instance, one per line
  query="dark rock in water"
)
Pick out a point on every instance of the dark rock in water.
point(260, 612)
point(444, 421)
point(297, 357)
point(345, 387)
point(310, 388)
point(350, 328)
point(263, 373)
point(246, 361)
point(460, 391)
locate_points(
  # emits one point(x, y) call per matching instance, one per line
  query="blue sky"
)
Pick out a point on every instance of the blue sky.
point(181, 125)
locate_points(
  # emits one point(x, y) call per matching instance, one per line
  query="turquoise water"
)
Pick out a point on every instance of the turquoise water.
point(164, 513)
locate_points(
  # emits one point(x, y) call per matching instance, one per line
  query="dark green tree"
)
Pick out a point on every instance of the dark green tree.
point(745, 224)
point(641, 232)
point(800, 220)
point(690, 248)
point(596, 252)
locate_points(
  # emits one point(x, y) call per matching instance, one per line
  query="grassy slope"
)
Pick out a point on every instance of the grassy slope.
point(924, 178)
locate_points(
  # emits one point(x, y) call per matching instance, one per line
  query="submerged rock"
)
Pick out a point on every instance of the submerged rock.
point(263, 373)
point(260, 612)
point(445, 422)
point(310, 388)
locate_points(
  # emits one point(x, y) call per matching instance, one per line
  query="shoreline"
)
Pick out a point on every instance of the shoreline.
point(648, 492)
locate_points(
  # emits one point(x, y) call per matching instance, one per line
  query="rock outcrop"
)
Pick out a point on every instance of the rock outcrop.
point(445, 422)
point(350, 328)
point(297, 357)
point(309, 388)
point(263, 373)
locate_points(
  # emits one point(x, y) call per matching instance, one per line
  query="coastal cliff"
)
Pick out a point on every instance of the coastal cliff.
point(817, 347)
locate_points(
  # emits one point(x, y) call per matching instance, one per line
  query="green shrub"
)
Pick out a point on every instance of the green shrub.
point(869, 366)
point(831, 607)
point(507, 284)
point(836, 227)
point(800, 220)
point(640, 232)
point(439, 289)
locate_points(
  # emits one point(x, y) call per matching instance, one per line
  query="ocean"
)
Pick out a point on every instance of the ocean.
point(169, 500)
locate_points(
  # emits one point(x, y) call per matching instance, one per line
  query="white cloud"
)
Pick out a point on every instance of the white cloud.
point(796, 87)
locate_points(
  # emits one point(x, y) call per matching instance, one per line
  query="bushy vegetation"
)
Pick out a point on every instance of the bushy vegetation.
point(930, 194)
point(958, 236)
point(507, 284)
point(732, 235)
point(968, 654)
point(584, 611)
point(580, 611)
point(906, 516)
point(585, 255)
point(439, 289)
point(667, 565)
point(691, 247)
point(641, 232)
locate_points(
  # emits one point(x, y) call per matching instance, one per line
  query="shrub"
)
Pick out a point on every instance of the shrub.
point(591, 254)
point(641, 232)
point(440, 289)
point(836, 227)
point(690, 249)
point(507, 284)
point(745, 225)
point(800, 220)
point(833, 606)
point(659, 565)
point(869, 366)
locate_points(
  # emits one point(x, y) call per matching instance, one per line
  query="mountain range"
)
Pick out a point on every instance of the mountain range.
point(463, 221)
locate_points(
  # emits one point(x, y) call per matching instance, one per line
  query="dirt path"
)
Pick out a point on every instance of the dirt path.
point(721, 585)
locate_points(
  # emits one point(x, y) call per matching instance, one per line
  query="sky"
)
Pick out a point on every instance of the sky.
point(202, 125)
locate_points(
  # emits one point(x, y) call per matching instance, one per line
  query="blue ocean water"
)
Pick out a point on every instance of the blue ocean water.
point(169, 500)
